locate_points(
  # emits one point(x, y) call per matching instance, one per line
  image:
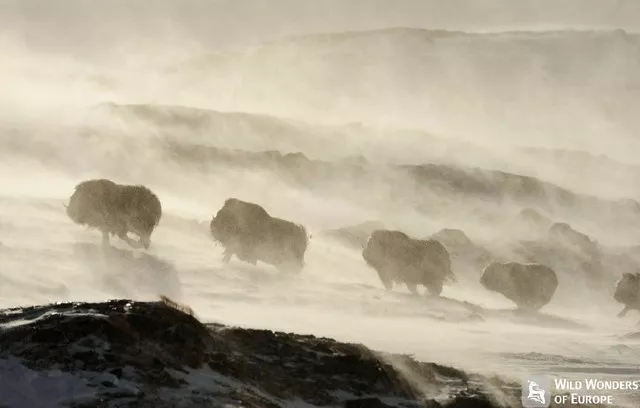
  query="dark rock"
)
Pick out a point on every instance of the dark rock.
point(154, 355)
point(365, 403)
point(117, 372)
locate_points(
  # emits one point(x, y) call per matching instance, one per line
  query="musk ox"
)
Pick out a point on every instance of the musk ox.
point(628, 292)
point(529, 286)
point(398, 258)
point(116, 209)
point(246, 230)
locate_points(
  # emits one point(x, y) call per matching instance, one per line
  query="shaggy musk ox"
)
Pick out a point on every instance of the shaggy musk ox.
point(116, 209)
point(246, 230)
point(628, 292)
point(398, 258)
point(529, 286)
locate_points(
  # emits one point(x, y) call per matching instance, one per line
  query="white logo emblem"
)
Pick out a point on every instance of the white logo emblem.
point(535, 392)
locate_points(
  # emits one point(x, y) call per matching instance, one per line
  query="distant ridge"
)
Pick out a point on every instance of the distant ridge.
point(427, 33)
point(416, 183)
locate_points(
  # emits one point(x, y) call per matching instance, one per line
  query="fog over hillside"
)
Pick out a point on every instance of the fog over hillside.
point(482, 124)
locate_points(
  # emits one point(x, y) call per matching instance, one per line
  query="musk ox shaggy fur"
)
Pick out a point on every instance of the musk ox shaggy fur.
point(529, 286)
point(398, 258)
point(628, 292)
point(246, 230)
point(116, 209)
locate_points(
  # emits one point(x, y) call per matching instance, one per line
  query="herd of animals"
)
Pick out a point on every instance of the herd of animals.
point(249, 232)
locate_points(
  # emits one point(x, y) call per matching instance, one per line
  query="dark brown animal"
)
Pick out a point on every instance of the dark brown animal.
point(628, 292)
point(529, 286)
point(116, 209)
point(398, 258)
point(246, 230)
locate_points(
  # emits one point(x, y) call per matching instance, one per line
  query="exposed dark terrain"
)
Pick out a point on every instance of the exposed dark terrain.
point(124, 353)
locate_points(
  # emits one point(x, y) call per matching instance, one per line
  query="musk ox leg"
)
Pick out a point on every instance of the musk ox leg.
point(413, 288)
point(388, 283)
point(105, 239)
point(624, 311)
point(144, 242)
point(247, 255)
point(434, 289)
point(252, 260)
point(226, 256)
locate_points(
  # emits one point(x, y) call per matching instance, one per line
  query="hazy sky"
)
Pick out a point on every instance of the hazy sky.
point(80, 26)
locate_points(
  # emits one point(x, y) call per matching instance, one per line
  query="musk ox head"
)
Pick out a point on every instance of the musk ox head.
point(91, 201)
point(379, 242)
point(379, 254)
point(628, 289)
point(237, 218)
point(299, 241)
point(142, 210)
point(438, 260)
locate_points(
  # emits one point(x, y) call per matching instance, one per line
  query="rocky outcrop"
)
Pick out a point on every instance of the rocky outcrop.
point(124, 354)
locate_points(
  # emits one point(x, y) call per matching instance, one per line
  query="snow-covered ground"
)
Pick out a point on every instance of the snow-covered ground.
point(49, 118)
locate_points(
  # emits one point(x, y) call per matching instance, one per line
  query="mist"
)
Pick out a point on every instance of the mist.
point(421, 115)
